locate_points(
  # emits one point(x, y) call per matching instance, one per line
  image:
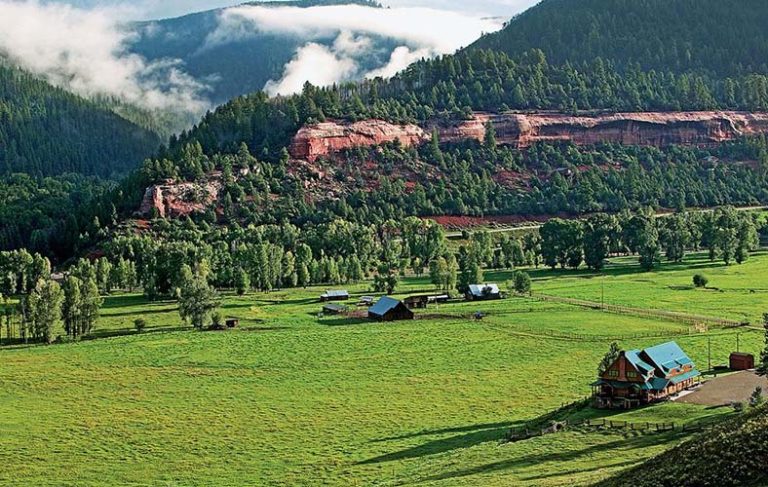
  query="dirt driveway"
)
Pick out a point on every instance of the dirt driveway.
point(726, 389)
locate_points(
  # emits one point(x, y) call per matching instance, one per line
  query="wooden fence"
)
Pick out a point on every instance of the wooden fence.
point(519, 434)
point(564, 335)
point(674, 316)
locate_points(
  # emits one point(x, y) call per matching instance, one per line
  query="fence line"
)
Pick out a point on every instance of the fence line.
point(560, 335)
point(675, 316)
point(519, 434)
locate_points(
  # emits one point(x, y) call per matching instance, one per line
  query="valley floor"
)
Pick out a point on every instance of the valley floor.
point(292, 399)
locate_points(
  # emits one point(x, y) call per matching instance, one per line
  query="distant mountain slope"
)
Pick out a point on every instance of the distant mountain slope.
point(721, 37)
point(241, 66)
point(47, 131)
point(734, 454)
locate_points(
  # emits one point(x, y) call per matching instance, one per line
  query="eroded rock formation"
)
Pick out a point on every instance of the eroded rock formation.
point(320, 140)
point(179, 199)
point(522, 130)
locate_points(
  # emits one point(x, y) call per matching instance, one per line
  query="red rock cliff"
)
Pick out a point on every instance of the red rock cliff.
point(320, 140)
point(523, 130)
point(179, 199)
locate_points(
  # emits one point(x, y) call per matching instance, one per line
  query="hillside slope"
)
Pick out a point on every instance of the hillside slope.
point(734, 454)
point(47, 131)
point(239, 65)
point(724, 38)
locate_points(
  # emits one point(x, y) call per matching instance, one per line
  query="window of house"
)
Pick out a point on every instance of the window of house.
point(632, 375)
point(613, 373)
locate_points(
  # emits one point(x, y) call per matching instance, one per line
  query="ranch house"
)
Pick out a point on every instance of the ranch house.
point(641, 377)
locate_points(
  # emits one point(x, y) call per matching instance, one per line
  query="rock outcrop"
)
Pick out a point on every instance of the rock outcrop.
point(323, 139)
point(522, 130)
point(171, 199)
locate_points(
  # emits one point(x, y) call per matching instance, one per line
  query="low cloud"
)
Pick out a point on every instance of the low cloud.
point(86, 51)
point(417, 32)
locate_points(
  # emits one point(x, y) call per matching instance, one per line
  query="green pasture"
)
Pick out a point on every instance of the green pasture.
point(293, 399)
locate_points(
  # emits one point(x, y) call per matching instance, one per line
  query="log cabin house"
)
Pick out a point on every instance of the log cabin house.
point(640, 377)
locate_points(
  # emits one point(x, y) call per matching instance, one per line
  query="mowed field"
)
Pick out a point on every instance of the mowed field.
point(292, 399)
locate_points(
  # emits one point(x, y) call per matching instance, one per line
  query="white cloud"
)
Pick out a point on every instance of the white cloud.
point(314, 63)
point(420, 32)
point(86, 51)
point(401, 58)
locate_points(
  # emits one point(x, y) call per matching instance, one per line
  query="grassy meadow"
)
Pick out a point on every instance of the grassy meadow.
point(293, 399)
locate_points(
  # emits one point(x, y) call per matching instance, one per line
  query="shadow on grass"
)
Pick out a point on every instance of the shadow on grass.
point(341, 321)
point(458, 429)
point(139, 313)
point(577, 471)
point(474, 435)
point(533, 460)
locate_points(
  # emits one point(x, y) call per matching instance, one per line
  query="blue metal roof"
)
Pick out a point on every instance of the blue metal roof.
point(668, 357)
point(384, 305)
point(634, 358)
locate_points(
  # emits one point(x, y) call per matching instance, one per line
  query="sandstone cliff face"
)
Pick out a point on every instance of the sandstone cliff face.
point(171, 200)
point(523, 130)
point(321, 140)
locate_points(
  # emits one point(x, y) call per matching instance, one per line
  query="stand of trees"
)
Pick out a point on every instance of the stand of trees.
point(726, 233)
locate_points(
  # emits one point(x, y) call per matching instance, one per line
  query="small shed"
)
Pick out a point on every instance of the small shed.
point(366, 301)
point(482, 292)
point(334, 309)
point(742, 361)
point(423, 301)
point(390, 309)
point(416, 302)
point(334, 296)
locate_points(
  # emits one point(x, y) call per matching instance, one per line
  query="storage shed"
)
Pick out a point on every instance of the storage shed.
point(334, 309)
point(334, 296)
point(742, 361)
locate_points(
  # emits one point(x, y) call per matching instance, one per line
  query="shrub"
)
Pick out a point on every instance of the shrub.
point(756, 399)
point(140, 324)
point(700, 280)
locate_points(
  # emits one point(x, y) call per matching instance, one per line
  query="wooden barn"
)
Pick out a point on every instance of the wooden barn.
point(641, 377)
point(483, 292)
point(334, 296)
point(389, 309)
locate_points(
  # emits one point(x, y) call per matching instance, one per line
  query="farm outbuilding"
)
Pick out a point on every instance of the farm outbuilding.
point(423, 301)
point(742, 361)
point(641, 377)
point(335, 296)
point(334, 309)
point(481, 292)
point(390, 309)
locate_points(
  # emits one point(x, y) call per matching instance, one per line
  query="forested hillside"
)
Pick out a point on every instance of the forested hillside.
point(47, 131)
point(41, 214)
point(720, 37)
